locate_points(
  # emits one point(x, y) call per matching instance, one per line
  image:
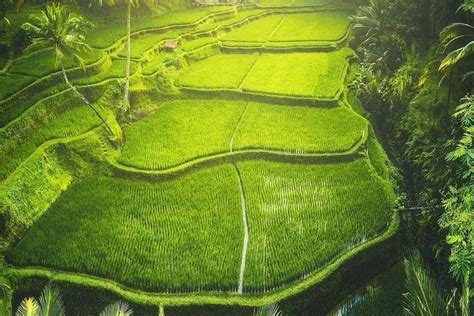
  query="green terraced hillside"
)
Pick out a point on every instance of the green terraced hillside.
point(238, 173)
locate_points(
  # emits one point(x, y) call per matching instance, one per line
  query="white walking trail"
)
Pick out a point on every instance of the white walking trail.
point(246, 234)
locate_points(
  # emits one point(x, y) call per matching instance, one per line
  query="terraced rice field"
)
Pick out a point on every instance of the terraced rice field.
point(297, 216)
point(314, 75)
point(272, 186)
point(184, 130)
point(291, 29)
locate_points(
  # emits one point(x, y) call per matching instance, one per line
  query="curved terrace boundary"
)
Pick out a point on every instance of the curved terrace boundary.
point(213, 298)
point(239, 155)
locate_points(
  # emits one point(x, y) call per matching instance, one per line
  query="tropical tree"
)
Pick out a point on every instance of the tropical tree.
point(63, 33)
point(457, 41)
point(458, 217)
point(49, 304)
point(130, 4)
point(119, 308)
point(423, 296)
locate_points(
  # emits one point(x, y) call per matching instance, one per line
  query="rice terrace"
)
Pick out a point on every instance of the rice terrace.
point(240, 169)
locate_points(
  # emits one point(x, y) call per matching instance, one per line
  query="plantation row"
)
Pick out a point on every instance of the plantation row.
point(187, 233)
point(183, 130)
point(315, 75)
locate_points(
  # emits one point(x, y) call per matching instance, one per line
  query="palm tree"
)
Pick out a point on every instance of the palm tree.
point(130, 4)
point(457, 44)
point(119, 308)
point(423, 296)
point(268, 310)
point(58, 29)
point(49, 304)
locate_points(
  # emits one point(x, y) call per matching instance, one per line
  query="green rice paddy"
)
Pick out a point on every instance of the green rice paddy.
point(185, 130)
point(317, 75)
point(238, 93)
point(172, 235)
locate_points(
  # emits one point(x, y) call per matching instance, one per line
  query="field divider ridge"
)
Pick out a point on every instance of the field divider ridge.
point(232, 140)
point(246, 231)
point(275, 30)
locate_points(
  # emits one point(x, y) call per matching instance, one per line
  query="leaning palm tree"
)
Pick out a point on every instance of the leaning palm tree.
point(119, 308)
point(58, 29)
point(49, 304)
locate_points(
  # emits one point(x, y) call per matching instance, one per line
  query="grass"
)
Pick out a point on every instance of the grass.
point(197, 43)
point(218, 71)
point(241, 15)
point(116, 70)
point(42, 63)
point(180, 131)
point(256, 31)
point(299, 129)
point(317, 26)
point(184, 130)
point(319, 75)
point(167, 236)
point(299, 74)
point(292, 3)
point(17, 147)
point(301, 216)
point(106, 35)
point(146, 42)
point(12, 83)
point(157, 60)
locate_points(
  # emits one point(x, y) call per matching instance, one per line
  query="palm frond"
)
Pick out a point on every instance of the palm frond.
point(50, 302)
point(423, 295)
point(28, 307)
point(268, 310)
point(456, 56)
point(119, 308)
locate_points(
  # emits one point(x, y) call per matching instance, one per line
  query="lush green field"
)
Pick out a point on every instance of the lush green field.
point(301, 216)
point(318, 75)
point(155, 236)
point(184, 130)
point(180, 131)
point(299, 129)
point(318, 26)
point(294, 3)
point(146, 42)
point(227, 21)
point(218, 71)
point(42, 63)
point(12, 83)
point(255, 31)
point(197, 43)
point(107, 35)
point(115, 71)
point(16, 148)
point(184, 232)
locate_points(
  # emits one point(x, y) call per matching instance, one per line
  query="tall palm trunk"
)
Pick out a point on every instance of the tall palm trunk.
point(127, 70)
point(83, 98)
point(450, 87)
